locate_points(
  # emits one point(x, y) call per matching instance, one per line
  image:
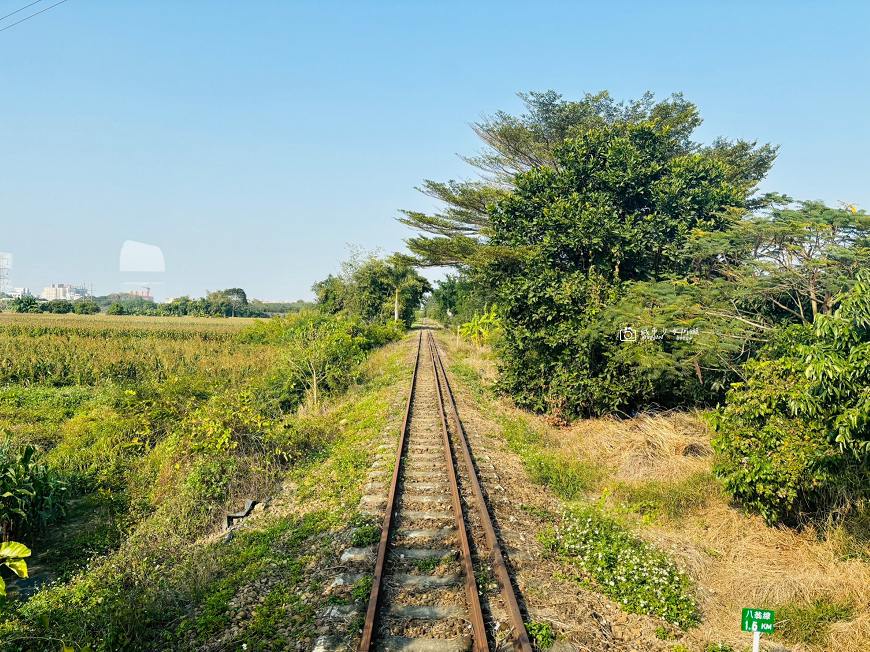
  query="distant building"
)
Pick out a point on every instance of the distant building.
point(68, 292)
point(17, 293)
point(144, 294)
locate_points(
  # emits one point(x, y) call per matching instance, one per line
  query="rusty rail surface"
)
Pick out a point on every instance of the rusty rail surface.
point(374, 599)
point(471, 595)
point(520, 637)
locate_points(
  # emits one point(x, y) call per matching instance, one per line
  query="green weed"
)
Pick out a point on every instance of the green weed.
point(365, 535)
point(809, 623)
point(362, 589)
point(673, 500)
point(427, 565)
point(541, 634)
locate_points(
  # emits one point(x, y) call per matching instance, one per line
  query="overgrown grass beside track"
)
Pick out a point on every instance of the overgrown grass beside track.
point(161, 427)
point(647, 485)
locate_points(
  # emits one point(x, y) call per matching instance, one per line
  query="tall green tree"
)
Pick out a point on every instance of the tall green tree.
point(514, 145)
point(616, 209)
point(374, 289)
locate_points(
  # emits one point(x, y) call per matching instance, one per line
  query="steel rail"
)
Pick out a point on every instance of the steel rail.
point(520, 637)
point(475, 612)
point(375, 596)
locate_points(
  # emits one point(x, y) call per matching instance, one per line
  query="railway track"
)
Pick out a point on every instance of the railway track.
point(437, 540)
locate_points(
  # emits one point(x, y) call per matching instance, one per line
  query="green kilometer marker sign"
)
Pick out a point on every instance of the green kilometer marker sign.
point(758, 620)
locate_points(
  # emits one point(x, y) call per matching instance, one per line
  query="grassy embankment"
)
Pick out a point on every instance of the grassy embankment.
point(161, 427)
point(651, 475)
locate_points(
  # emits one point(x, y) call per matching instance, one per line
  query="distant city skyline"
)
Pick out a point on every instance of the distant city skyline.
point(251, 142)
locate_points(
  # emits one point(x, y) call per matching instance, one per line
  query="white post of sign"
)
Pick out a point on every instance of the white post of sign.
point(756, 641)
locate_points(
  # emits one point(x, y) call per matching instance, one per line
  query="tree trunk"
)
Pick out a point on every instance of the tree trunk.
point(396, 305)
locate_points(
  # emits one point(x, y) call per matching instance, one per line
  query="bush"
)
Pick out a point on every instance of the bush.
point(58, 307)
point(117, 309)
point(322, 352)
point(794, 439)
point(24, 304)
point(86, 308)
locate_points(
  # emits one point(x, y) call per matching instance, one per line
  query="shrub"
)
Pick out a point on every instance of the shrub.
point(86, 308)
point(117, 309)
point(24, 304)
point(322, 353)
point(58, 307)
point(794, 439)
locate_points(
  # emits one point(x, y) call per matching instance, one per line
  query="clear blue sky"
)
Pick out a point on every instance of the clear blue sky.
point(252, 140)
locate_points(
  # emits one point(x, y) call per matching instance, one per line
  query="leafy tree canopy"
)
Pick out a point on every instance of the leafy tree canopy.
point(515, 144)
point(374, 289)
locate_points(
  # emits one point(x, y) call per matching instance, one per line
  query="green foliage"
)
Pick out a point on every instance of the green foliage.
point(541, 634)
point(662, 633)
point(366, 535)
point(116, 309)
point(617, 209)
point(162, 428)
point(322, 352)
point(57, 306)
point(24, 304)
point(362, 589)
point(31, 496)
point(373, 290)
point(456, 299)
point(633, 573)
point(809, 622)
point(86, 308)
point(718, 647)
point(481, 330)
point(427, 565)
point(232, 302)
point(794, 259)
point(793, 439)
point(512, 145)
point(12, 556)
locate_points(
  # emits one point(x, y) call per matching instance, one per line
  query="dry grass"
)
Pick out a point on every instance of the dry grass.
point(736, 560)
point(663, 447)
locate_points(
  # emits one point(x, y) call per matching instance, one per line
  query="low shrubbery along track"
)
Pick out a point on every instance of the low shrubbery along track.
point(424, 592)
